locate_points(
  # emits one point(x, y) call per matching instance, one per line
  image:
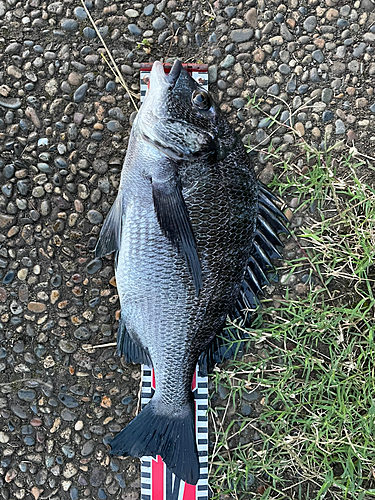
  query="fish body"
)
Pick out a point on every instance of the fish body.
point(183, 227)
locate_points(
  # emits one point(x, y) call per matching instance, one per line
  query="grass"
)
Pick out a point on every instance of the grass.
point(312, 435)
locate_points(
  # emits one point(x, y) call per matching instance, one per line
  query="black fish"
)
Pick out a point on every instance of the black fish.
point(191, 226)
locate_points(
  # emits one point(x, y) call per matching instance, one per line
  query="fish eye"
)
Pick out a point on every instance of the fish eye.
point(201, 100)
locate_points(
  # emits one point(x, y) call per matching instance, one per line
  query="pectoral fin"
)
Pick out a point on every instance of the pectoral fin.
point(109, 238)
point(174, 221)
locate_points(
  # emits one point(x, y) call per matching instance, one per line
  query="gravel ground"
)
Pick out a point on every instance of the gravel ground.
point(64, 127)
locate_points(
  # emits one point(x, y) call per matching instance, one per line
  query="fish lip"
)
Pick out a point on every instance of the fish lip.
point(159, 77)
point(174, 73)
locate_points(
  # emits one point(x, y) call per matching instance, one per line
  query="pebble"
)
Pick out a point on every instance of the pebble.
point(86, 450)
point(149, 9)
point(310, 23)
point(67, 346)
point(134, 30)
point(159, 23)
point(89, 33)
point(37, 307)
point(10, 102)
point(69, 25)
point(242, 35)
point(228, 61)
point(80, 93)
point(340, 127)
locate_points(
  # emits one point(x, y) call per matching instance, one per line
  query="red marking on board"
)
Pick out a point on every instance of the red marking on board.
point(194, 382)
point(157, 479)
point(189, 492)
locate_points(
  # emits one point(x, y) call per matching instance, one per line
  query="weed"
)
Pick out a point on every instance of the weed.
point(311, 358)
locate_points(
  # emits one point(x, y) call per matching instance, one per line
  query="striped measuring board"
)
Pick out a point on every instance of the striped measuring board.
point(157, 481)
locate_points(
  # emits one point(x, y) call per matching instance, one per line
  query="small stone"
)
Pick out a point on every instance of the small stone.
point(327, 95)
point(228, 61)
point(26, 394)
point(67, 346)
point(134, 30)
point(89, 33)
point(238, 103)
point(87, 449)
point(78, 425)
point(80, 13)
point(251, 17)
point(332, 14)
point(244, 35)
point(68, 415)
point(6, 221)
point(245, 410)
point(74, 78)
point(340, 127)
point(69, 24)
point(95, 217)
point(369, 37)
point(67, 400)
point(131, 13)
point(310, 24)
point(159, 23)
point(82, 333)
point(361, 102)
point(37, 307)
point(19, 411)
point(258, 55)
point(274, 89)
point(327, 116)
point(31, 113)
point(212, 74)
point(149, 9)
point(276, 40)
point(97, 477)
point(11, 102)
point(114, 126)
point(318, 56)
point(69, 471)
point(263, 81)
point(14, 71)
point(250, 396)
point(52, 87)
point(80, 93)
point(292, 84)
point(300, 129)
point(4, 438)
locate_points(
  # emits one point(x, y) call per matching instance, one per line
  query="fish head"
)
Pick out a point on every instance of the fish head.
point(178, 116)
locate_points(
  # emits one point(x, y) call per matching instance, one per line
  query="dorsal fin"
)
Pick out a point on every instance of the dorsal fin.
point(260, 271)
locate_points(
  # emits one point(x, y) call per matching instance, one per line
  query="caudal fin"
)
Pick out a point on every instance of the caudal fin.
point(156, 432)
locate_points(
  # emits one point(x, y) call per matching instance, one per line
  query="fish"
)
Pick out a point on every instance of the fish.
point(194, 234)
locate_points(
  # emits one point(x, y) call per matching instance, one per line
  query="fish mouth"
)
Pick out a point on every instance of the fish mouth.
point(159, 77)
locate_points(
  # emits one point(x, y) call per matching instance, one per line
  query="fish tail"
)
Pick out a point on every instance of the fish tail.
point(170, 434)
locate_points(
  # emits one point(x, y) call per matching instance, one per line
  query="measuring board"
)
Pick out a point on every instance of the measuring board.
point(157, 481)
